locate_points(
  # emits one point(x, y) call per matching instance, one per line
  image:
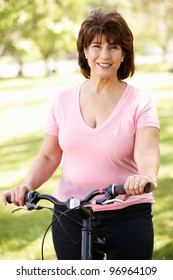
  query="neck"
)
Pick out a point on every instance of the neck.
point(104, 86)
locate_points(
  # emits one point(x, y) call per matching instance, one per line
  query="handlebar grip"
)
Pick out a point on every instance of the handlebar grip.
point(28, 196)
point(119, 189)
point(8, 199)
point(147, 188)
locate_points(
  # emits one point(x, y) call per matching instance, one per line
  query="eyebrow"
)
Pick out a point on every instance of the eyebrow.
point(99, 42)
point(96, 42)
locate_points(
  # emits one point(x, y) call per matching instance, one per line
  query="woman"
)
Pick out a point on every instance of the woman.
point(107, 131)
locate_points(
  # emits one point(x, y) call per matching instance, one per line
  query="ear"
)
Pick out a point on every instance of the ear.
point(123, 56)
point(85, 52)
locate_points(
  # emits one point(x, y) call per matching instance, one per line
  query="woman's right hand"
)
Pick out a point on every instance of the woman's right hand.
point(17, 195)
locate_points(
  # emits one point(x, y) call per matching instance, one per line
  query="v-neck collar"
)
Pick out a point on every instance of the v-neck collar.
point(109, 118)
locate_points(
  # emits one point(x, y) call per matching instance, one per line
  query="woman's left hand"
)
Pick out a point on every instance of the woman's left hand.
point(135, 184)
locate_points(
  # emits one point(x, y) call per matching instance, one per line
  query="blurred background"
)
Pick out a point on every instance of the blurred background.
point(37, 58)
point(36, 35)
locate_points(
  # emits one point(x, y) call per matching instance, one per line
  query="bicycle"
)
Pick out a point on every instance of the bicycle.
point(108, 194)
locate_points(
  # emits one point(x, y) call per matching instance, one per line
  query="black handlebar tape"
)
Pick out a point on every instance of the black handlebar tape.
point(147, 188)
point(119, 189)
point(8, 199)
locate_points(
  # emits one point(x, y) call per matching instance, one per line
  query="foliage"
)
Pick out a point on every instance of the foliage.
point(48, 28)
point(155, 22)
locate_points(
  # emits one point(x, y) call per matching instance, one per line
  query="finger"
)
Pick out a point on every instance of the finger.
point(133, 185)
point(21, 196)
point(137, 187)
point(4, 198)
point(14, 196)
point(129, 185)
point(143, 183)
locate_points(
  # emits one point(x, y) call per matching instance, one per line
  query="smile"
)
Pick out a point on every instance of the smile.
point(104, 64)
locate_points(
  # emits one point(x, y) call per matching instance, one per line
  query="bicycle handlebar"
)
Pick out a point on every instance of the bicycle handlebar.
point(109, 194)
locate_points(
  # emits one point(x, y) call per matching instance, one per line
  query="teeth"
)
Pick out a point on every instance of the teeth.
point(104, 64)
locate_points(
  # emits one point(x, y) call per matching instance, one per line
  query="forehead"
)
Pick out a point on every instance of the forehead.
point(100, 38)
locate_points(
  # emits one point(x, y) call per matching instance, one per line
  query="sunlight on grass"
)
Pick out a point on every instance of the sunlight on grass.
point(24, 233)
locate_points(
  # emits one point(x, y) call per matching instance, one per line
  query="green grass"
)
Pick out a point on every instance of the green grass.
point(23, 107)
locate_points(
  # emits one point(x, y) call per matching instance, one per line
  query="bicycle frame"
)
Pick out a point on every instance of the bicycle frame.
point(87, 242)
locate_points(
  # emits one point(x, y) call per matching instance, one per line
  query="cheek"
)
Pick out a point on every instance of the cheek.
point(91, 60)
point(92, 54)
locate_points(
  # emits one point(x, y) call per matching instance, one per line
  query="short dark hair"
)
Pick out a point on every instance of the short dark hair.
point(113, 26)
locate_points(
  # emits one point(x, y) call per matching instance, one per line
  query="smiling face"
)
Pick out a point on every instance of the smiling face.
point(106, 24)
point(104, 58)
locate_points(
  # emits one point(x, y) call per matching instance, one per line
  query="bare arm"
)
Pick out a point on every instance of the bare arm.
point(43, 167)
point(147, 157)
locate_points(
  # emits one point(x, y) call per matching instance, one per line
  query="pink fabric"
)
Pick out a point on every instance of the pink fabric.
point(95, 158)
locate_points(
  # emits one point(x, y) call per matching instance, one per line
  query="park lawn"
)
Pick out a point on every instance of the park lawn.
point(24, 103)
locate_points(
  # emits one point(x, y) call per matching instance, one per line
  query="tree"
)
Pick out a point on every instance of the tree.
point(48, 25)
point(8, 25)
point(154, 23)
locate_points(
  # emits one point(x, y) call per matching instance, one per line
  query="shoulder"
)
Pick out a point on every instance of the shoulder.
point(65, 95)
point(136, 92)
point(140, 97)
point(67, 92)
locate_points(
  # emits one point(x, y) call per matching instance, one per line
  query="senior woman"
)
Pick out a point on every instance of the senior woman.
point(106, 131)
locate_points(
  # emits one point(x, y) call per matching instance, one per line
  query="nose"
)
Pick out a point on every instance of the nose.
point(104, 52)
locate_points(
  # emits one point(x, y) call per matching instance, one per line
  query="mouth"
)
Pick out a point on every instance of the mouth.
point(104, 65)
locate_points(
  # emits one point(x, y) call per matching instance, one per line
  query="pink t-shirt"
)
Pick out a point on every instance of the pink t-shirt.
point(93, 158)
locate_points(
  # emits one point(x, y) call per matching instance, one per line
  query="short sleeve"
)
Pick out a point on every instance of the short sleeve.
point(147, 114)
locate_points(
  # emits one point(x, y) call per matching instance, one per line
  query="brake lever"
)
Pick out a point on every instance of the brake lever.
point(112, 201)
point(19, 208)
point(107, 198)
point(27, 208)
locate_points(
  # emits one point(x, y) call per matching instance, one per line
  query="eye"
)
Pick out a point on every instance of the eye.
point(113, 46)
point(96, 46)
